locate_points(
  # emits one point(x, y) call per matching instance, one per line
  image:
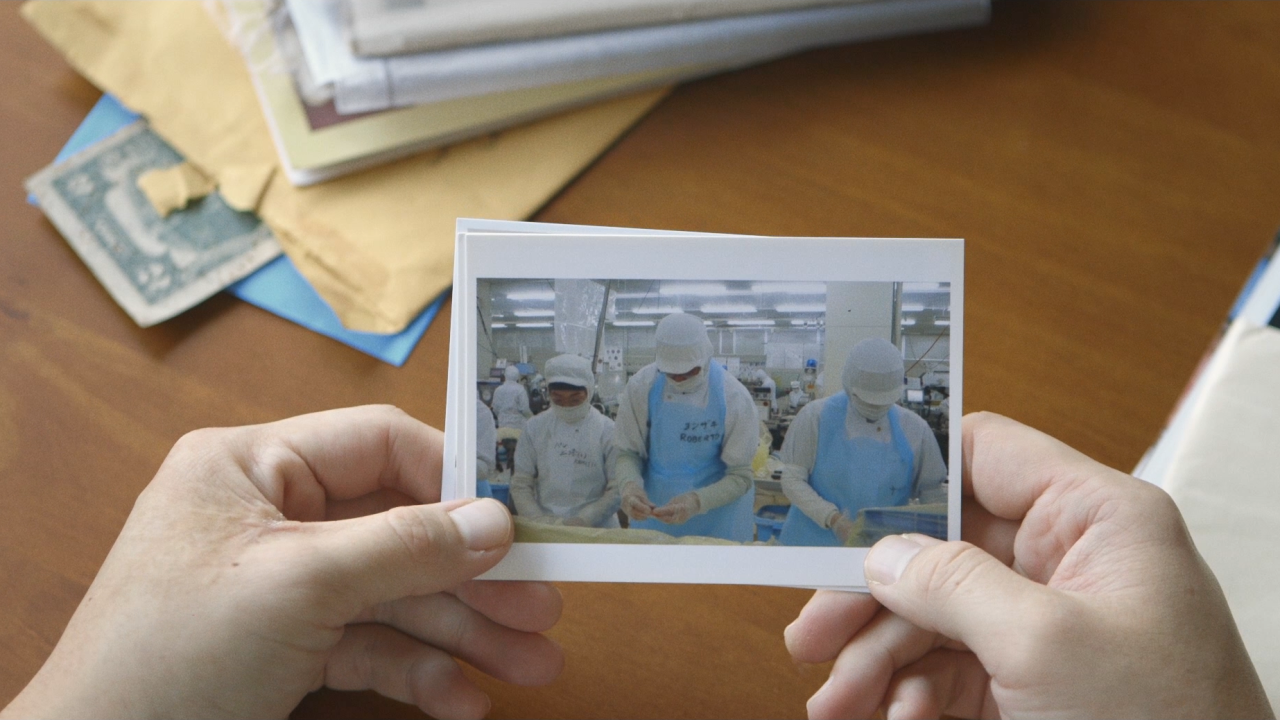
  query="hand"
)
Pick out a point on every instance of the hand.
point(635, 503)
point(251, 572)
point(1082, 595)
point(679, 509)
point(846, 531)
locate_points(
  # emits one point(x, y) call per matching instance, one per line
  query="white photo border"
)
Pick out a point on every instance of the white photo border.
point(488, 249)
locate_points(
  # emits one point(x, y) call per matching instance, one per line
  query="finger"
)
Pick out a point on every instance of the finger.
point(860, 677)
point(376, 657)
point(827, 623)
point(527, 606)
point(1007, 466)
point(958, 590)
point(994, 534)
point(301, 462)
point(413, 550)
point(374, 502)
point(950, 682)
point(443, 621)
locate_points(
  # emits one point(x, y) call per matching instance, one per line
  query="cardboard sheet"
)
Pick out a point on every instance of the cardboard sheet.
point(1225, 477)
point(377, 245)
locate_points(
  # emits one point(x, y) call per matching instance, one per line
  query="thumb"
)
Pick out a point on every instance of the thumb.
point(408, 550)
point(958, 590)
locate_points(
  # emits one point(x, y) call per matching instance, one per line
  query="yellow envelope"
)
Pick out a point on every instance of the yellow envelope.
point(378, 244)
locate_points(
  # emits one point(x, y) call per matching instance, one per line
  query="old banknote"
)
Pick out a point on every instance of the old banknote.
point(154, 267)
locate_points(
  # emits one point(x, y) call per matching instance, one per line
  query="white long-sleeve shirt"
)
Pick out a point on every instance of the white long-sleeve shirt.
point(486, 441)
point(511, 405)
point(800, 452)
point(741, 436)
point(591, 440)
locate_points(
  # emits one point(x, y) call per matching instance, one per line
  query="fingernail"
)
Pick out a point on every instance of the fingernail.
point(889, 558)
point(483, 524)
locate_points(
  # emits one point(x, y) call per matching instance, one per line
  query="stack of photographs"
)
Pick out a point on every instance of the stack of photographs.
point(694, 408)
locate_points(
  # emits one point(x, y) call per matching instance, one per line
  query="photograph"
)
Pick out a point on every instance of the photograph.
point(695, 408)
point(701, 411)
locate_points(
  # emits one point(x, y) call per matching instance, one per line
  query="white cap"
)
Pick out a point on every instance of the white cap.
point(795, 384)
point(682, 343)
point(571, 370)
point(511, 373)
point(874, 372)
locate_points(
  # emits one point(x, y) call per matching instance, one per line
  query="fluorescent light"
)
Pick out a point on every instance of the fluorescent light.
point(801, 308)
point(924, 287)
point(793, 288)
point(634, 323)
point(943, 323)
point(534, 325)
point(535, 313)
point(664, 310)
point(799, 322)
point(532, 295)
point(750, 322)
point(912, 307)
point(727, 308)
point(683, 288)
point(498, 326)
point(708, 323)
point(908, 321)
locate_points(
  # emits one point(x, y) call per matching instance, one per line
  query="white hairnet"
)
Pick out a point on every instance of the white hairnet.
point(571, 370)
point(873, 373)
point(512, 373)
point(682, 343)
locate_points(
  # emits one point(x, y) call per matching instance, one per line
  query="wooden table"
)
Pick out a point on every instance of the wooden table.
point(1115, 169)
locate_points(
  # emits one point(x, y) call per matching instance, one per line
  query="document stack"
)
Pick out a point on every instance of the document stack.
point(461, 68)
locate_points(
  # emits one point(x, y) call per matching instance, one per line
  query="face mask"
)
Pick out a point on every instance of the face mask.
point(688, 385)
point(572, 414)
point(867, 410)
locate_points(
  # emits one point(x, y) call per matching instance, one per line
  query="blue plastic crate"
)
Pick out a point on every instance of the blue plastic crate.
point(769, 521)
point(896, 521)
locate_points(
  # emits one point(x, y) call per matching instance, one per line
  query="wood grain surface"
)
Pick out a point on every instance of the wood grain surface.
point(1114, 168)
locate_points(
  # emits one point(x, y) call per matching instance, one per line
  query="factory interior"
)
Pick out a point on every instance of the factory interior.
point(799, 333)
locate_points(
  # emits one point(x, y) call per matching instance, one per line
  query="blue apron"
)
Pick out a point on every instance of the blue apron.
point(483, 489)
point(685, 443)
point(854, 474)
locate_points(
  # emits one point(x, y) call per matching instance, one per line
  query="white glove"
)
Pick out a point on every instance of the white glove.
point(680, 509)
point(635, 503)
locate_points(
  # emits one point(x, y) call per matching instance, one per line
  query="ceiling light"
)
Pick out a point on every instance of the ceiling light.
point(633, 323)
point(535, 313)
point(924, 287)
point(498, 326)
point(750, 322)
point(727, 308)
point(801, 308)
point(690, 288)
point(663, 310)
point(792, 288)
point(908, 321)
point(912, 307)
point(943, 323)
point(532, 295)
point(533, 325)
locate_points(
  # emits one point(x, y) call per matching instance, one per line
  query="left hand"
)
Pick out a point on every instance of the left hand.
point(679, 509)
point(265, 562)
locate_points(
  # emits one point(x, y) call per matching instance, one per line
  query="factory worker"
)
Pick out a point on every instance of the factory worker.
point(766, 381)
point(797, 397)
point(486, 447)
point(686, 434)
point(565, 459)
point(857, 449)
point(511, 401)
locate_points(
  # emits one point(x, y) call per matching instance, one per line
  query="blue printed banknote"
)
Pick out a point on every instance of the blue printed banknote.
point(154, 267)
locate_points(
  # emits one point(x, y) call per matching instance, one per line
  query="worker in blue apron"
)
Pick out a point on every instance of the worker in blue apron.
point(678, 446)
point(855, 466)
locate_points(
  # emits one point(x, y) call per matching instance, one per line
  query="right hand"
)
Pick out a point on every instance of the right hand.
point(1081, 595)
point(844, 528)
point(635, 502)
